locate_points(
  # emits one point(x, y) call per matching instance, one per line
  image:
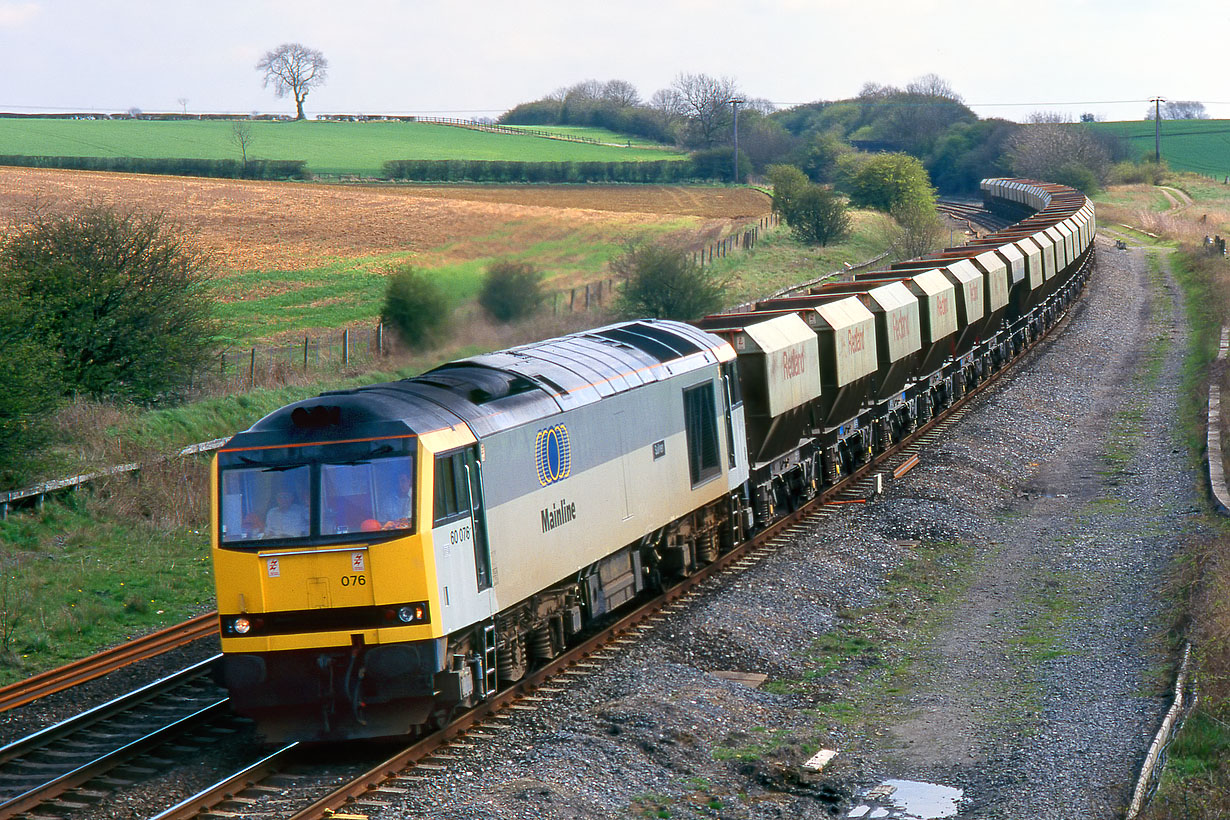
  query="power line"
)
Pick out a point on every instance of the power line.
point(881, 101)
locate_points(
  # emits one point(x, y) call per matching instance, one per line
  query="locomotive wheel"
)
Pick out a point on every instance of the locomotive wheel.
point(511, 661)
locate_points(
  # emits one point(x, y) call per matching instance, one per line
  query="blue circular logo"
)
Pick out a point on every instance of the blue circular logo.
point(552, 454)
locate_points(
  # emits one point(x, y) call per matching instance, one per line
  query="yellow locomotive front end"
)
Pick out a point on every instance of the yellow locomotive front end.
point(325, 579)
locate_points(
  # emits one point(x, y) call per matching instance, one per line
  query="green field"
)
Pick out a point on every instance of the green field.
point(329, 148)
point(1199, 146)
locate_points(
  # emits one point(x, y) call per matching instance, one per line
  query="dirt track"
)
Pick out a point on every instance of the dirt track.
point(282, 226)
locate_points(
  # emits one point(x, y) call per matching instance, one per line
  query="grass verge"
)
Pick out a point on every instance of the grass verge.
point(864, 666)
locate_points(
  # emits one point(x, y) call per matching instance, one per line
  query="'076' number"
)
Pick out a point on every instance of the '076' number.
point(354, 580)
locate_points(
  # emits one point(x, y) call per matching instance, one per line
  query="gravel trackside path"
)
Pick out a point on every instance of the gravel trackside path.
point(993, 623)
point(1040, 693)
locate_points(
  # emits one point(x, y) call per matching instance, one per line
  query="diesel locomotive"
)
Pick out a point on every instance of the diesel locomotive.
point(388, 554)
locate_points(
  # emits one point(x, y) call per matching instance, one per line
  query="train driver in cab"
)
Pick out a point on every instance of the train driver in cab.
point(288, 519)
point(399, 506)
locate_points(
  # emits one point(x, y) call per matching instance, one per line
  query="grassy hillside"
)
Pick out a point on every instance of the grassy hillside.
point(1199, 146)
point(329, 148)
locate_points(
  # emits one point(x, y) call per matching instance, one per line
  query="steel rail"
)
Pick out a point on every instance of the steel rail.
point(95, 666)
point(227, 787)
point(104, 763)
point(115, 706)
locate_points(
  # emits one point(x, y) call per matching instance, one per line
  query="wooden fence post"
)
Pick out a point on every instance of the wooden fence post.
point(252, 369)
point(380, 339)
point(305, 349)
point(346, 347)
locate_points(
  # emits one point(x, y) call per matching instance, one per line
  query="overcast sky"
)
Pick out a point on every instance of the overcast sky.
point(481, 57)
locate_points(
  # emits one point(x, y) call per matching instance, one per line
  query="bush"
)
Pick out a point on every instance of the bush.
point(817, 216)
point(665, 283)
point(448, 170)
point(888, 181)
point(1137, 173)
point(30, 389)
point(511, 290)
point(119, 295)
point(1077, 176)
point(788, 182)
point(416, 307)
point(920, 229)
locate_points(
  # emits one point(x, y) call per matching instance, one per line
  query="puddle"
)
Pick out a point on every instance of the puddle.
point(907, 800)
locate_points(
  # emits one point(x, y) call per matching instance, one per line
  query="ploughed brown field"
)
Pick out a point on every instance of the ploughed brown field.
point(251, 225)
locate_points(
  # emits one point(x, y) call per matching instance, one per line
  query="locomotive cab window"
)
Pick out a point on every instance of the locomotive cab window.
point(366, 496)
point(700, 423)
point(459, 495)
point(323, 492)
point(266, 503)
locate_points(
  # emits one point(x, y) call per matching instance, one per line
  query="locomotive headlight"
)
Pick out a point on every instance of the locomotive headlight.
point(241, 626)
point(406, 614)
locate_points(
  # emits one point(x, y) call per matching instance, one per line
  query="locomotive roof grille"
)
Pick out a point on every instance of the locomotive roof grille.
point(663, 345)
point(478, 384)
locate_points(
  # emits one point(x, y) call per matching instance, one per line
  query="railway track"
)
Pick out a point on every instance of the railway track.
point(95, 666)
point(73, 764)
point(253, 792)
point(973, 213)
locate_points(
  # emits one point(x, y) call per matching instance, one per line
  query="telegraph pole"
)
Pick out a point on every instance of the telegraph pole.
point(1157, 129)
point(734, 104)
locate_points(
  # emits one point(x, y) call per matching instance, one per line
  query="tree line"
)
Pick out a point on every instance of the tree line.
point(927, 120)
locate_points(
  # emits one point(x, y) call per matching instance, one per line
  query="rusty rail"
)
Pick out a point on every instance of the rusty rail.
point(95, 666)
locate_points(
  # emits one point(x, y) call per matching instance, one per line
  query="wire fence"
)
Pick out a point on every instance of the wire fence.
point(745, 240)
point(246, 367)
point(476, 125)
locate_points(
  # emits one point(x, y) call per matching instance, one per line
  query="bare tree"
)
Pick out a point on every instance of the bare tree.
point(668, 105)
point(1179, 110)
point(1048, 151)
point(875, 91)
point(183, 101)
point(584, 92)
point(293, 69)
point(1049, 118)
point(760, 105)
point(1186, 110)
point(706, 102)
point(933, 85)
point(241, 138)
point(621, 93)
